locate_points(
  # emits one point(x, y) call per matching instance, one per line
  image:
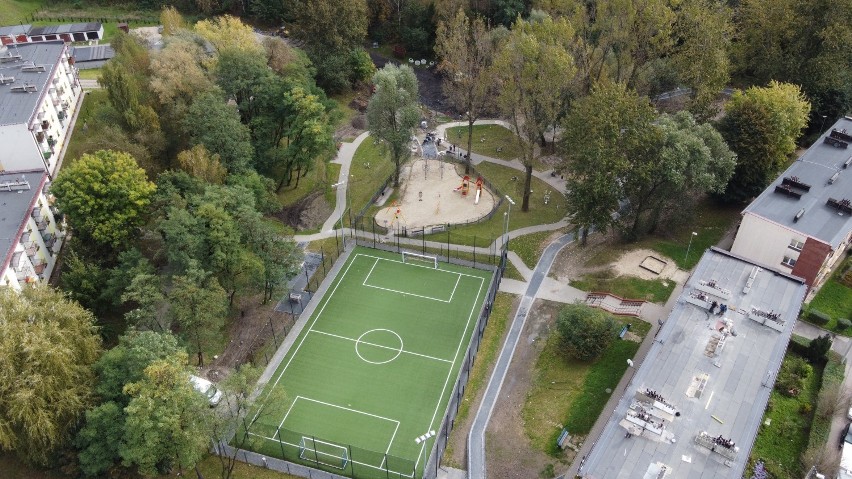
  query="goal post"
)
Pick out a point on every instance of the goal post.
point(419, 259)
point(326, 453)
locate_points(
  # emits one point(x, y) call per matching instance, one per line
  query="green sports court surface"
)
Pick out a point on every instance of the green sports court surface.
point(372, 371)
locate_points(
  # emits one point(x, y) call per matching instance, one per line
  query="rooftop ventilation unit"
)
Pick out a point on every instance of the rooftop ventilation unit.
point(15, 185)
point(33, 68)
point(834, 178)
point(848, 162)
point(844, 205)
point(10, 57)
point(795, 183)
point(788, 191)
point(799, 215)
point(26, 87)
point(4, 80)
point(835, 142)
point(841, 135)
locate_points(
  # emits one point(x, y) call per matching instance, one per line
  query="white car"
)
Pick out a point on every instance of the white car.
point(206, 388)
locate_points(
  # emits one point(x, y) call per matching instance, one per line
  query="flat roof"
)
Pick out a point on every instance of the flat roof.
point(815, 167)
point(719, 387)
point(15, 29)
point(65, 28)
point(17, 107)
point(94, 53)
point(15, 207)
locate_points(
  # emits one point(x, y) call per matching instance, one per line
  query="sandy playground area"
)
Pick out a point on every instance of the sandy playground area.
point(428, 197)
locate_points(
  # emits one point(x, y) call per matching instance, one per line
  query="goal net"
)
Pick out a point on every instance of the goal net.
point(420, 259)
point(332, 455)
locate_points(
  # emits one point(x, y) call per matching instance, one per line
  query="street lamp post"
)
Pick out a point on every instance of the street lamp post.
point(694, 234)
point(822, 125)
point(506, 227)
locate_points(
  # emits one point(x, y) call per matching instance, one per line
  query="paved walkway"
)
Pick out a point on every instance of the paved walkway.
point(476, 439)
point(344, 158)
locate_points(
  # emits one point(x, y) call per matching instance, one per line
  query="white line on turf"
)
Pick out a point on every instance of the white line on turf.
point(417, 265)
point(454, 289)
point(409, 294)
point(380, 346)
point(458, 348)
point(371, 270)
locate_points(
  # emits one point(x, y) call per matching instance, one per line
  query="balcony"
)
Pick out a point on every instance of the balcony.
point(49, 239)
point(36, 213)
point(43, 224)
point(56, 101)
point(30, 248)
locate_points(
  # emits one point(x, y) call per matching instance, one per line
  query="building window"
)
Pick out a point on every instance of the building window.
point(788, 261)
point(796, 245)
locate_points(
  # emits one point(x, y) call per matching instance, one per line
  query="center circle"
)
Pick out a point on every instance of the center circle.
point(376, 350)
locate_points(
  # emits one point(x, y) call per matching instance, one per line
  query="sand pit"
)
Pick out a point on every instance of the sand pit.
point(641, 262)
point(427, 198)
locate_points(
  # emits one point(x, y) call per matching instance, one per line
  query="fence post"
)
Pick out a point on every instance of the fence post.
point(281, 443)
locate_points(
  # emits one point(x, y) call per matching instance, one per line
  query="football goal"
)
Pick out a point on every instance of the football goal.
point(419, 259)
point(333, 455)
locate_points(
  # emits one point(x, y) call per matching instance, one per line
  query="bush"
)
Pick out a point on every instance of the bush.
point(843, 324)
point(585, 331)
point(818, 317)
point(805, 409)
point(791, 377)
point(818, 348)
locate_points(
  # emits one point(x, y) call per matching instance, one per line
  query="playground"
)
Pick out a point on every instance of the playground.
point(435, 192)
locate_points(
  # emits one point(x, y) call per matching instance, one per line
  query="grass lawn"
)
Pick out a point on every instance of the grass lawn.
point(90, 74)
point(571, 393)
point(318, 177)
point(781, 444)
point(487, 139)
point(370, 166)
point(14, 12)
point(511, 272)
point(628, 287)
point(347, 113)
point(87, 128)
point(488, 349)
point(834, 299)
point(529, 247)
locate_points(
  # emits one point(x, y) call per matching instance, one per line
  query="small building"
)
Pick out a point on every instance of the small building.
point(802, 223)
point(86, 58)
point(30, 235)
point(15, 34)
point(69, 32)
point(694, 406)
point(39, 93)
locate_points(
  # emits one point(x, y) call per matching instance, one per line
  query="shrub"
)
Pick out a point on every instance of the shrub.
point(586, 332)
point(843, 324)
point(818, 348)
point(805, 409)
point(818, 317)
point(791, 377)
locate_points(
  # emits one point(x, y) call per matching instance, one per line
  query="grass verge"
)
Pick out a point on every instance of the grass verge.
point(530, 247)
point(489, 347)
point(14, 12)
point(628, 287)
point(834, 299)
point(494, 141)
point(782, 442)
point(570, 393)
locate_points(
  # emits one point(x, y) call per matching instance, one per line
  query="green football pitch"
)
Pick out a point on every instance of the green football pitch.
point(372, 370)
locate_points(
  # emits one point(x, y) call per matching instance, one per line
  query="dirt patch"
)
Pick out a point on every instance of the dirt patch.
point(308, 213)
point(254, 328)
point(428, 84)
point(509, 451)
point(428, 196)
point(630, 264)
point(575, 261)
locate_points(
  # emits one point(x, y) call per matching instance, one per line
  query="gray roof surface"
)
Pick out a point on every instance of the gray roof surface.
point(814, 167)
point(15, 29)
point(18, 107)
point(14, 209)
point(86, 54)
point(734, 392)
point(65, 28)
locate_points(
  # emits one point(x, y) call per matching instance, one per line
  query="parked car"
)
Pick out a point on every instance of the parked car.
point(206, 388)
point(849, 414)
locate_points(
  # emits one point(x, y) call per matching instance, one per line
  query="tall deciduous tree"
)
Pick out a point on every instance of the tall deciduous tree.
point(48, 345)
point(393, 113)
point(216, 125)
point(200, 163)
point(228, 33)
point(168, 422)
point(330, 25)
point(105, 196)
point(761, 125)
point(199, 305)
point(466, 51)
point(531, 69)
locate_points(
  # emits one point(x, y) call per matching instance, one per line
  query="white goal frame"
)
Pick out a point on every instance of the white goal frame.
point(424, 257)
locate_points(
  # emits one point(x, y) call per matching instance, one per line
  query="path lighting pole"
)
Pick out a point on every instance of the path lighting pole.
point(822, 125)
point(506, 228)
point(422, 439)
point(694, 234)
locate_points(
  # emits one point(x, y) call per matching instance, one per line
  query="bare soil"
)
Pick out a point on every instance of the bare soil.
point(308, 213)
point(509, 453)
point(572, 262)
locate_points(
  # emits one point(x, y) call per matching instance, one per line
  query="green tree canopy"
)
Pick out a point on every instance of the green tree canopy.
point(393, 112)
point(199, 305)
point(48, 345)
point(585, 331)
point(761, 125)
point(105, 196)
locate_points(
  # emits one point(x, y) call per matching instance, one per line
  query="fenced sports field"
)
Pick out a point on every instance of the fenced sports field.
point(369, 378)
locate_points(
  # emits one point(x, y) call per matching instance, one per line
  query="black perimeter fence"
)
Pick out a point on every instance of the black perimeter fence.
point(309, 456)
